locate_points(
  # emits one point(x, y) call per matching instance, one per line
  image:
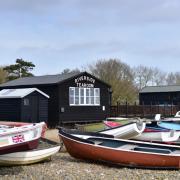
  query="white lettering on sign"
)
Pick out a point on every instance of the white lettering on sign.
point(85, 85)
point(85, 81)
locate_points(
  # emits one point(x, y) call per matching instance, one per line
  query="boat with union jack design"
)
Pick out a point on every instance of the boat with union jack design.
point(25, 137)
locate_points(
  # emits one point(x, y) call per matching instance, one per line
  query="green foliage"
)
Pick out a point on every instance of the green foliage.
point(3, 75)
point(20, 69)
point(119, 76)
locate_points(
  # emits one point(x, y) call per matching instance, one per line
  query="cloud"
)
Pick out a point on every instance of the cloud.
point(167, 52)
point(130, 12)
point(97, 13)
point(103, 10)
point(30, 6)
point(87, 29)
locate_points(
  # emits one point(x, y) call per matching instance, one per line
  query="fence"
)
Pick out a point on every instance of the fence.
point(127, 110)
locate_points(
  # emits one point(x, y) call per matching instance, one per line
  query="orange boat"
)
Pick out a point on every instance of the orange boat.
point(101, 147)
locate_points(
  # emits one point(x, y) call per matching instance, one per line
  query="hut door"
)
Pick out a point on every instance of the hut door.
point(35, 109)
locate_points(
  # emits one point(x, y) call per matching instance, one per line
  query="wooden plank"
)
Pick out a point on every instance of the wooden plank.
point(127, 146)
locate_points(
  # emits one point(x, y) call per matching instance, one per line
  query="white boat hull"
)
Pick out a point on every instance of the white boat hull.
point(27, 157)
point(126, 131)
point(169, 136)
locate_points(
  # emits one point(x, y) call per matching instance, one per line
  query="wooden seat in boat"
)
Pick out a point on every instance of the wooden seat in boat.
point(153, 150)
point(98, 142)
point(176, 152)
point(127, 146)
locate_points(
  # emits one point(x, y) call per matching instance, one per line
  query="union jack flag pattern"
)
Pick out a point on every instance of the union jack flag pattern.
point(18, 138)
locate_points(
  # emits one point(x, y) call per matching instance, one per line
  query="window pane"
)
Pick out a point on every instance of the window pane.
point(71, 95)
point(92, 92)
point(92, 100)
point(96, 91)
point(82, 100)
point(81, 91)
point(71, 100)
point(87, 100)
point(87, 92)
point(97, 100)
point(76, 100)
point(26, 102)
point(81, 95)
point(77, 92)
point(71, 91)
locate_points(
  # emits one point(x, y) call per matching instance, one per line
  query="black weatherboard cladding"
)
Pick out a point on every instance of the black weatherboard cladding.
point(10, 109)
point(37, 111)
point(160, 95)
point(83, 113)
point(53, 103)
point(57, 87)
point(14, 109)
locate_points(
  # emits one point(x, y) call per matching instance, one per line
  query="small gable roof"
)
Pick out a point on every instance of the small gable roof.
point(19, 93)
point(151, 89)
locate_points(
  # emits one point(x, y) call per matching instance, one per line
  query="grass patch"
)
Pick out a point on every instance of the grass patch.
point(94, 127)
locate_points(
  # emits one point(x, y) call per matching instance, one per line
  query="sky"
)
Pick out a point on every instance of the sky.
point(60, 34)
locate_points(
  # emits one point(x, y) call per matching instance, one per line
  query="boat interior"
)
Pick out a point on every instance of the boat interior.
point(134, 146)
point(155, 126)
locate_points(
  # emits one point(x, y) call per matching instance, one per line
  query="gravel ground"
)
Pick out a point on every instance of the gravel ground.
point(63, 166)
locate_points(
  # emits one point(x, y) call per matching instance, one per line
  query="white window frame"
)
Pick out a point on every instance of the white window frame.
point(73, 103)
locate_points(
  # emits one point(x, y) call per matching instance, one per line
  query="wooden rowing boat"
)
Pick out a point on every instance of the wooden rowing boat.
point(124, 152)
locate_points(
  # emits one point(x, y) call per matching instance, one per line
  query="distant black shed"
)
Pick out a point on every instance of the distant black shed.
point(74, 97)
point(160, 95)
point(24, 105)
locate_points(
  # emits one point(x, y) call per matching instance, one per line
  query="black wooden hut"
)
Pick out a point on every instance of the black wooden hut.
point(23, 105)
point(160, 95)
point(74, 97)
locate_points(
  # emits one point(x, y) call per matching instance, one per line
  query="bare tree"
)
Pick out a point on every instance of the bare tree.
point(142, 76)
point(171, 79)
point(118, 75)
point(149, 76)
point(177, 76)
point(67, 71)
point(158, 77)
